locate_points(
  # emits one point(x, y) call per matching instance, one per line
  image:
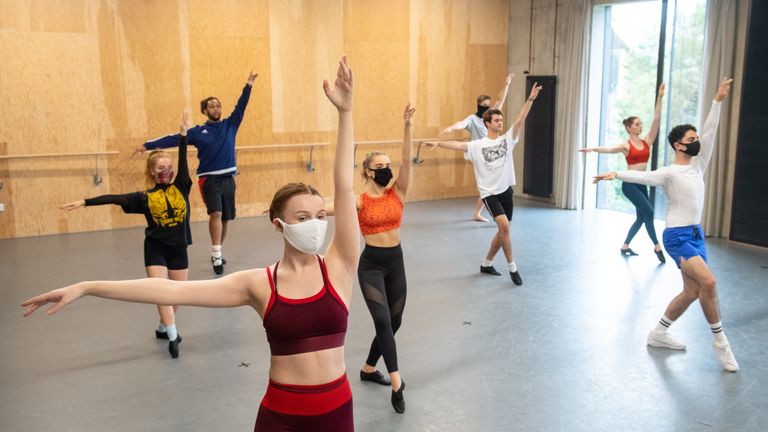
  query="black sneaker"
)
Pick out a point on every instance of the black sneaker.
point(489, 270)
point(516, 279)
point(173, 347)
point(375, 376)
point(628, 252)
point(398, 401)
point(218, 265)
point(660, 256)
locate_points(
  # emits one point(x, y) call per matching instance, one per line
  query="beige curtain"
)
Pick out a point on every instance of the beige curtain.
point(719, 53)
point(571, 99)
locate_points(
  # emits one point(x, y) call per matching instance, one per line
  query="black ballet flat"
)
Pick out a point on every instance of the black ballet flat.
point(375, 376)
point(489, 270)
point(398, 401)
point(161, 335)
point(628, 252)
point(173, 347)
point(660, 256)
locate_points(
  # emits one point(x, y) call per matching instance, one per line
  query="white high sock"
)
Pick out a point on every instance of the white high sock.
point(663, 324)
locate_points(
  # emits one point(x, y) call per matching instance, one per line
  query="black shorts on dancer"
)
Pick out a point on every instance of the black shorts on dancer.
point(218, 193)
point(500, 204)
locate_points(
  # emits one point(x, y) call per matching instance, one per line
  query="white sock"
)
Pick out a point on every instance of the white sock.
point(161, 327)
point(717, 332)
point(512, 267)
point(663, 324)
point(487, 263)
point(171, 330)
point(216, 251)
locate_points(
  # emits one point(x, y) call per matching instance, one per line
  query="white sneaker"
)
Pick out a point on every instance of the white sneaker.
point(725, 356)
point(664, 340)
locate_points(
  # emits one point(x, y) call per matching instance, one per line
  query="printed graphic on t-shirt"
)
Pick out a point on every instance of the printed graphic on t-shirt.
point(167, 207)
point(496, 152)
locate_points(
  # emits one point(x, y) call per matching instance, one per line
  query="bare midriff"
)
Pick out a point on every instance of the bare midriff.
point(312, 368)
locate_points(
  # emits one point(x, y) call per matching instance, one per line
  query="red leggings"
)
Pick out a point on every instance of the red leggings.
point(296, 408)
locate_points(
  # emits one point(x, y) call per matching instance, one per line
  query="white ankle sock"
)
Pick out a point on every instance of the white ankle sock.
point(717, 332)
point(171, 330)
point(663, 324)
point(512, 267)
point(487, 263)
point(216, 251)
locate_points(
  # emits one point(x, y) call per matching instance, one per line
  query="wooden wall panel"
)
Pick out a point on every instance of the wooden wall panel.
point(97, 75)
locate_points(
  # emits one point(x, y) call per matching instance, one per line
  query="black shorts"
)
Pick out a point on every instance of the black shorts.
point(160, 254)
point(500, 204)
point(218, 194)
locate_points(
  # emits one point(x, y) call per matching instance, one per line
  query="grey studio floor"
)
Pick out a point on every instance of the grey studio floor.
point(564, 352)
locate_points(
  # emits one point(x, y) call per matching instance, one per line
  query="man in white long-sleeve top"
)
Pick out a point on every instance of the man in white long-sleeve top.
point(683, 182)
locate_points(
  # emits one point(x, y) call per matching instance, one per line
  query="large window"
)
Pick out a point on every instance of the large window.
point(624, 74)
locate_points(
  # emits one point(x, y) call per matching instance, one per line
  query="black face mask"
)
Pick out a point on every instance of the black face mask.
point(692, 148)
point(481, 110)
point(382, 176)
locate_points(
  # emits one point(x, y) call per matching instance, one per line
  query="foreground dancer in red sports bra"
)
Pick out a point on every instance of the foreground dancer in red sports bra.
point(303, 305)
point(638, 151)
point(382, 271)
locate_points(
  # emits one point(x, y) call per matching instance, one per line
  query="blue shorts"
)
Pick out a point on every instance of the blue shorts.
point(685, 242)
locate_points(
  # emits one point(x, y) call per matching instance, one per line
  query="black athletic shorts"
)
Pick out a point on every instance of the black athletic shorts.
point(500, 204)
point(218, 194)
point(161, 254)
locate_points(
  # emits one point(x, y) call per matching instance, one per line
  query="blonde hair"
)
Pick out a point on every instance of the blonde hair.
point(367, 162)
point(287, 192)
point(151, 162)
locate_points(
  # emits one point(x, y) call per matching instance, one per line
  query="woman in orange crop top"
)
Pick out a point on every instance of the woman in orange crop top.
point(308, 388)
point(381, 271)
point(637, 151)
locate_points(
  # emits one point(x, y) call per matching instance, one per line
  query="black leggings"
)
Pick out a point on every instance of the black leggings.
point(382, 278)
point(638, 195)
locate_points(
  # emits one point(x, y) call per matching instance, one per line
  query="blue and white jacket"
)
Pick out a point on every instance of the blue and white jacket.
point(215, 141)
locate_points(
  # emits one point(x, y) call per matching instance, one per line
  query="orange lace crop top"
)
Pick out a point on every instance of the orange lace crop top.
point(380, 214)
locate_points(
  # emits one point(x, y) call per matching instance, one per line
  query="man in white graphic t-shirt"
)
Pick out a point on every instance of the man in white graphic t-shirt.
point(494, 169)
point(474, 124)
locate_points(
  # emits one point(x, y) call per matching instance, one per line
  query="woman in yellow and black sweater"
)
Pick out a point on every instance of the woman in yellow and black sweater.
point(166, 208)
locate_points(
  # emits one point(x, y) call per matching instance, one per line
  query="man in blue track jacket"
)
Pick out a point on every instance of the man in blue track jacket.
point(215, 143)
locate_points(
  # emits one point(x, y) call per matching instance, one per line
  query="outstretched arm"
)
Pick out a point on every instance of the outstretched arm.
point(519, 122)
point(459, 125)
point(616, 149)
point(406, 167)
point(650, 137)
point(651, 178)
point(232, 290)
point(503, 93)
point(344, 249)
point(450, 145)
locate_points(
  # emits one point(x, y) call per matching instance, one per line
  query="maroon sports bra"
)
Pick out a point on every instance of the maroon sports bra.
point(315, 323)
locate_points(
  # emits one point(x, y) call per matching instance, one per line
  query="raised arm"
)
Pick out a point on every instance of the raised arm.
point(242, 101)
point(650, 137)
point(519, 122)
point(406, 166)
point(709, 130)
point(344, 250)
point(236, 289)
point(182, 177)
point(503, 93)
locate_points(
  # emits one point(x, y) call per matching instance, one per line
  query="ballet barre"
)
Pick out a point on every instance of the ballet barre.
point(310, 165)
point(97, 179)
point(419, 141)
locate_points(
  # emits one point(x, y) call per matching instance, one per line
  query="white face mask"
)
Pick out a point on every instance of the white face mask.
point(307, 236)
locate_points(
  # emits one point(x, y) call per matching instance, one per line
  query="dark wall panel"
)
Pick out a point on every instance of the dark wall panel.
point(749, 217)
point(539, 159)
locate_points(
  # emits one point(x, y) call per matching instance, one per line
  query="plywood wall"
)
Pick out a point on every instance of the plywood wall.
point(106, 75)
